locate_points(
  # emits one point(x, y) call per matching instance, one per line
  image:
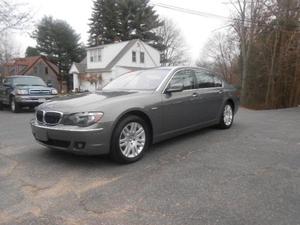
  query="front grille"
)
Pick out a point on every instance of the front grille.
point(48, 118)
point(39, 92)
point(39, 116)
point(52, 118)
point(57, 143)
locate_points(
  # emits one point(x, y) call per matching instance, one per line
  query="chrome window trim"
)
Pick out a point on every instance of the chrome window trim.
point(176, 69)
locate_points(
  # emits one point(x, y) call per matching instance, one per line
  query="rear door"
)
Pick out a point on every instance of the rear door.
point(210, 93)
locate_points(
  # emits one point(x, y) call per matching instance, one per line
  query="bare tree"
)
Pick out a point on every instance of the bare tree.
point(13, 15)
point(246, 24)
point(8, 48)
point(174, 51)
point(221, 54)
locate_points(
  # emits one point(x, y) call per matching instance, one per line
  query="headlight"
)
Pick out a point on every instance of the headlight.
point(83, 119)
point(54, 91)
point(22, 92)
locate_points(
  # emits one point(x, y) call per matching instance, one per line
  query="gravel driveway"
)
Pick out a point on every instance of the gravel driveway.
point(249, 174)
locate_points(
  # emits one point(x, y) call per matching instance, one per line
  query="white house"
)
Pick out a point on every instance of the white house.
point(106, 62)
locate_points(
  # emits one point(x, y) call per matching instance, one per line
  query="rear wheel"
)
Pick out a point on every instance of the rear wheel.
point(14, 106)
point(130, 140)
point(227, 116)
point(1, 105)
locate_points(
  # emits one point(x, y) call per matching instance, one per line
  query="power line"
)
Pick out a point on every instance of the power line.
point(206, 14)
point(190, 11)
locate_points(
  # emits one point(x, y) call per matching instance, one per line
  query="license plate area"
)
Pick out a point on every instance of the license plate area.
point(41, 100)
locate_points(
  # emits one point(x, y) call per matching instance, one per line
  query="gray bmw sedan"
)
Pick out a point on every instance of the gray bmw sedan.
point(135, 110)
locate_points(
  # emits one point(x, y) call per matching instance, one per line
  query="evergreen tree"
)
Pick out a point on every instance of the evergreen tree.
point(123, 20)
point(31, 51)
point(57, 40)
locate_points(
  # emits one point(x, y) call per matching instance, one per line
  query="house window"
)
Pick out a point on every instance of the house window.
point(142, 57)
point(99, 55)
point(46, 70)
point(95, 55)
point(133, 56)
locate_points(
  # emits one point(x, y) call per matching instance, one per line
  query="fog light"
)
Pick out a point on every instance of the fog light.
point(79, 145)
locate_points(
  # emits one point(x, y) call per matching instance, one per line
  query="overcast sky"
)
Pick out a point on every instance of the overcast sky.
point(195, 29)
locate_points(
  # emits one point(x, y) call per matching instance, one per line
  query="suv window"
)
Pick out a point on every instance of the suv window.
point(204, 79)
point(186, 77)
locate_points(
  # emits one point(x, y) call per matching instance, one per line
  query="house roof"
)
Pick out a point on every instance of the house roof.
point(82, 66)
point(121, 53)
point(29, 62)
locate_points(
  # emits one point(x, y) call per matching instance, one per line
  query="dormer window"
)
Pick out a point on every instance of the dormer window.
point(133, 56)
point(95, 55)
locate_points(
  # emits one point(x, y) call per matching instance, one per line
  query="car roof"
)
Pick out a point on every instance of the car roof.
point(184, 67)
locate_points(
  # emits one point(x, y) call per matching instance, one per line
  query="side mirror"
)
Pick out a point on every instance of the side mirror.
point(6, 84)
point(177, 87)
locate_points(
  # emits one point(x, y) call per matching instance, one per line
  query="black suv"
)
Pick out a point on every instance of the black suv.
point(18, 91)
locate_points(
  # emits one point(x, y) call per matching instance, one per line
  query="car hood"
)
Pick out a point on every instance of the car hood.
point(89, 101)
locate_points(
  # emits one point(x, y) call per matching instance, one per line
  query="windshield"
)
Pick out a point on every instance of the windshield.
point(28, 81)
point(138, 80)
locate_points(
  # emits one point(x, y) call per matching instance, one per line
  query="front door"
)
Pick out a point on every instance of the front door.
point(179, 107)
point(5, 89)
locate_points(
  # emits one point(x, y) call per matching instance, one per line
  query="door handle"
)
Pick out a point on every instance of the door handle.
point(220, 91)
point(194, 95)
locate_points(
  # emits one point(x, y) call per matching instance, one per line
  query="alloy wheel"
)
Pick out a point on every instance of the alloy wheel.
point(227, 115)
point(132, 139)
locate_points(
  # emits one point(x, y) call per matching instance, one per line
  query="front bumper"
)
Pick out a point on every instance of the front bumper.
point(33, 100)
point(73, 139)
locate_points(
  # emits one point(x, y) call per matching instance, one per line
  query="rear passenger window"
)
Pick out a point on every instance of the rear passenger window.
point(204, 79)
point(186, 77)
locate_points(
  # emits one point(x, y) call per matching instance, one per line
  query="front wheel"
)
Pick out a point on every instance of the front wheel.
point(130, 140)
point(227, 116)
point(14, 106)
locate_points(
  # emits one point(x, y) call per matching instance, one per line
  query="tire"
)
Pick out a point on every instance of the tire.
point(227, 116)
point(14, 106)
point(130, 139)
point(1, 106)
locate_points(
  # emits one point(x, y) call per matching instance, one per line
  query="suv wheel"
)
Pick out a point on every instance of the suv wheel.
point(14, 106)
point(130, 140)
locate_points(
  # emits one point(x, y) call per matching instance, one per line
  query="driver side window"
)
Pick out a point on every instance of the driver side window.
point(184, 77)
